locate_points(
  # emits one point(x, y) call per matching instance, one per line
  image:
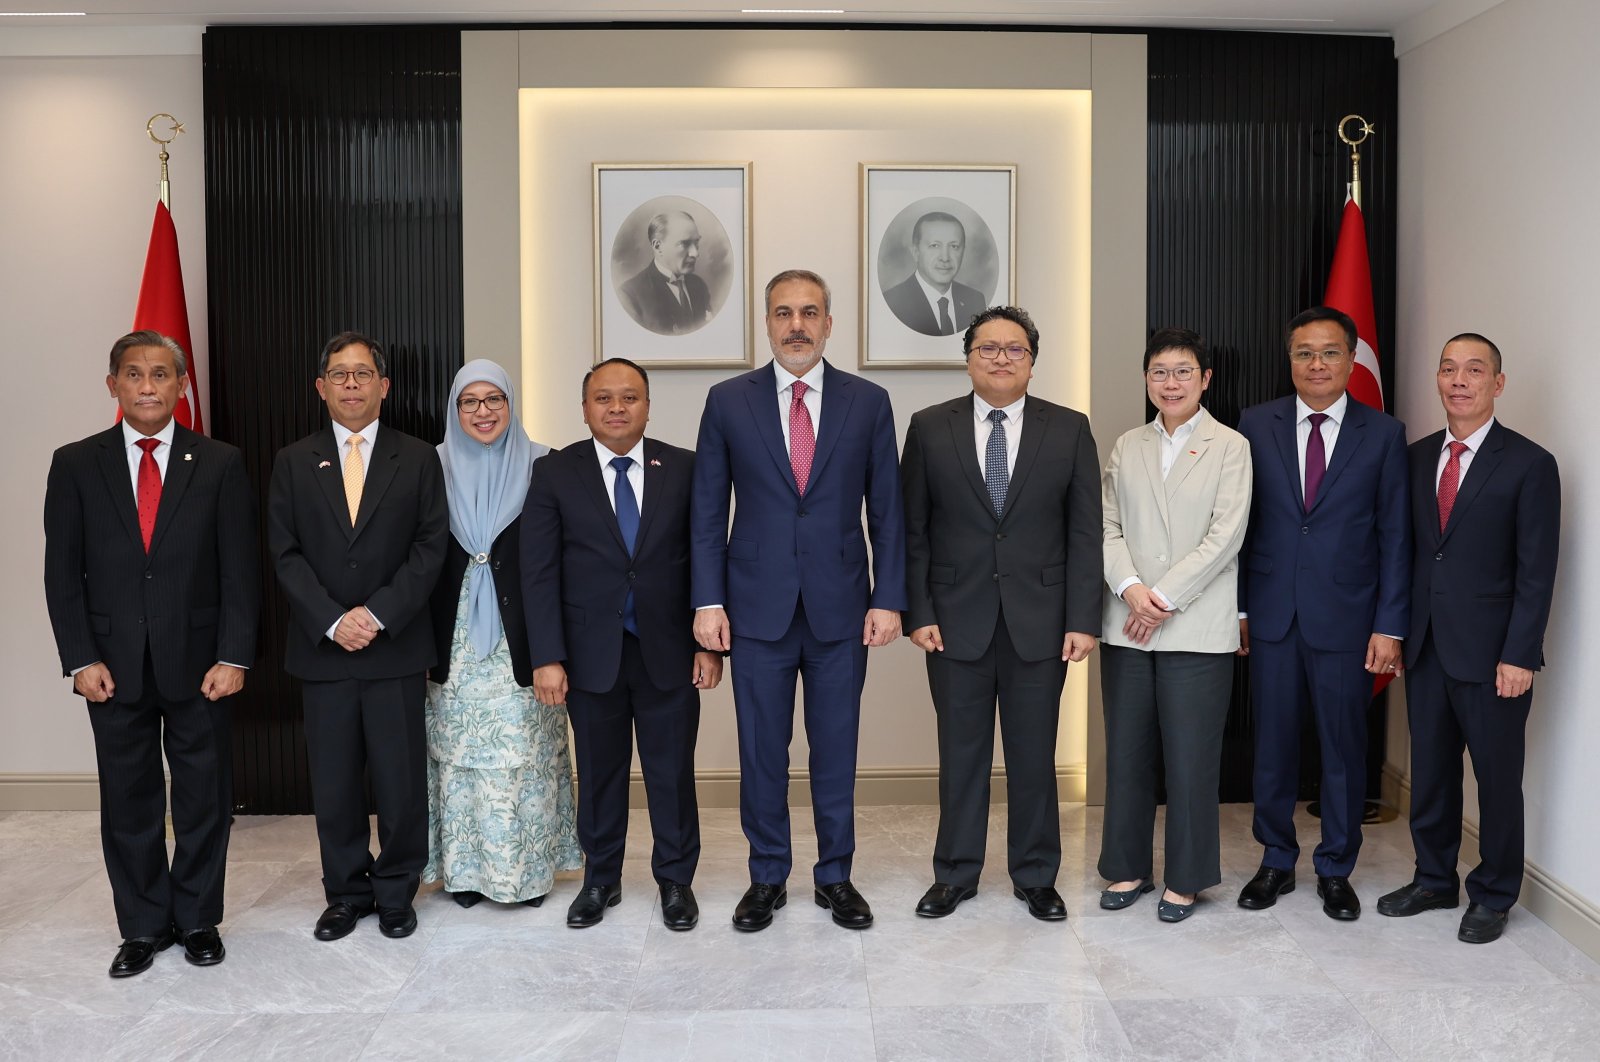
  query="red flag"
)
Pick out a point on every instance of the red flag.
point(162, 307)
point(1350, 290)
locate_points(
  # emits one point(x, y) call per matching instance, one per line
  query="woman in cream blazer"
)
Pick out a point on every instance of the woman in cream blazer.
point(1176, 495)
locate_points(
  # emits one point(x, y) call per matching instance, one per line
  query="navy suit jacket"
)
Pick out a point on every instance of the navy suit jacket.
point(915, 312)
point(1484, 583)
point(576, 571)
point(784, 548)
point(1342, 570)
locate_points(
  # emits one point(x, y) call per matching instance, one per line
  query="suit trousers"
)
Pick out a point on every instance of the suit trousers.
point(1448, 717)
point(373, 726)
point(603, 726)
point(764, 676)
point(150, 897)
point(1287, 679)
point(1163, 708)
point(965, 693)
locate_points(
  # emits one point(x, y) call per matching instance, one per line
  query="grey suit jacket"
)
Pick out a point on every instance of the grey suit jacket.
point(1038, 561)
point(1180, 536)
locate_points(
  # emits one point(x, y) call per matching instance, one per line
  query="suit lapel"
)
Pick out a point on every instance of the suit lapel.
point(1484, 462)
point(1189, 454)
point(1150, 455)
point(963, 439)
point(837, 394)
point(180, 469)
point(380, 473)
point(1352, 433)
point(1035, 422)
point(1283, 432)
point(1424, 488)
point(594, 485)
point(655, 478)
point(113, 460)
point(328, 471)
point(763, 399)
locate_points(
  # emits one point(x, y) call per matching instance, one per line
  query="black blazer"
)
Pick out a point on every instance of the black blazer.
point(912, 307)
point(576, 573)
point(389, 561)
point(505, 565)
point(1040, 559)
point(650, 299)
point(1484, 584)
point(194, 599)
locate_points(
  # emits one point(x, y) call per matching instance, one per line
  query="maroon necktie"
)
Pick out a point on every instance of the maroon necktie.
point(802, 438)
point(1316, 459)
point(1450, 482)
point(149, 489)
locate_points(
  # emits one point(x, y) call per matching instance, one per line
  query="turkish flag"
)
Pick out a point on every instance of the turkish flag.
point(162, 307)
point(1350, 290)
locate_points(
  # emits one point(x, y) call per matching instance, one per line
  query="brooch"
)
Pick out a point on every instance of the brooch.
point(326, 464)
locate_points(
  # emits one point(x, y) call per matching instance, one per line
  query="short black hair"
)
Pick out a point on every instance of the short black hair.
point(936, 216)
point(616, 361)
point(1178, 339)
point(1322, 313)
point(1016, 315)
point(1474, 337)
point(350, 339)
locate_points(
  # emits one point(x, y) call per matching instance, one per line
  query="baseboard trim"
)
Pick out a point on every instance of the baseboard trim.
point(874, 786)
point(49, 792)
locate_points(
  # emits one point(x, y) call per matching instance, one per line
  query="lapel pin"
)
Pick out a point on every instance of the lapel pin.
point(655, 462)
point(1194, 453)
point(326, 464)
point(188, 457)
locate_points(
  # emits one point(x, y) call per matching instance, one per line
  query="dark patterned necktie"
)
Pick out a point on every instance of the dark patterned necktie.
point(1316, 459)
point(995, 474)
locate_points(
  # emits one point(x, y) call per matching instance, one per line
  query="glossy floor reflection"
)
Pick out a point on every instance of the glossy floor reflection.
point(988, 982)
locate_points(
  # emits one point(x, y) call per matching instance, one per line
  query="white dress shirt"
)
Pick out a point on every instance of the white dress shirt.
point(130, 441)
point(813, 397)
point(983, 427)
point(1330, 430)
point(635, 472)
point(1474, 444)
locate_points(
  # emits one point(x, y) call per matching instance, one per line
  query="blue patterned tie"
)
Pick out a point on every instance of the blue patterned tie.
point(628, 524)
point(995, 473)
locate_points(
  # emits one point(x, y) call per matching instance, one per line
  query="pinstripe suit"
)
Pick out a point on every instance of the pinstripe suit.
point(158, 621)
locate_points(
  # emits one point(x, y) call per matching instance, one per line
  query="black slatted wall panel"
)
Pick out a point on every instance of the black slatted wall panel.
point(1246, 186)
point(333, 201)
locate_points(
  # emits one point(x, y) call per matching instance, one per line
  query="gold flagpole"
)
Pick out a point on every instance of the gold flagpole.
point(177, 127)
point(1364, 129)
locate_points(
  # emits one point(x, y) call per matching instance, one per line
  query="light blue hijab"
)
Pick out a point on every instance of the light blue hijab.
point(486, 486)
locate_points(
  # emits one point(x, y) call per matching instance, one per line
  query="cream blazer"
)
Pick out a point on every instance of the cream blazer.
point(1180, 536)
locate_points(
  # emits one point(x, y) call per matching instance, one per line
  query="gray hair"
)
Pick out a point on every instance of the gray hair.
point(146, 337)
point(807, 276)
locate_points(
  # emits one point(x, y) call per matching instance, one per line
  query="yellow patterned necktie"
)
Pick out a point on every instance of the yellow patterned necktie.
point(354, 477)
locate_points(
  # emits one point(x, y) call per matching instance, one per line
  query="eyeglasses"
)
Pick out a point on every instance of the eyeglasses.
point(991, 351)
point(470, 405)
point(1329, 357)
point(339, 376)
point(1182, 373)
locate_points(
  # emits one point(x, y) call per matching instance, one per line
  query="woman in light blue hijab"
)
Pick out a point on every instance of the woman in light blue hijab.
point(500, 805)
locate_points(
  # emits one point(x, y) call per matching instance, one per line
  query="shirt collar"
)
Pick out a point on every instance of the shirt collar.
point(1185, 429)
point(607, 455)
point(812, 378)
point(341, 434)
point(1013, 412)
point(1474, 441)
point(130, 435)
point(933, 293)
point(1335, 412)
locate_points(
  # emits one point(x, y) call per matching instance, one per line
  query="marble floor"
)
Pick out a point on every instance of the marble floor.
point(989, 982)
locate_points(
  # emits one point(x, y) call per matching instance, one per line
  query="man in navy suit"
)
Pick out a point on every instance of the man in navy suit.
point(605, 562)
point(802, 445)
point(931, 300)
point(1325, 587)
point(1486, 513)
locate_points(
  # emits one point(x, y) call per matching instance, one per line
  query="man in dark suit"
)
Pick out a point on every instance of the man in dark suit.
point(1325, 585)
point(1003, 528)
point(605, 542)
point(802, 445)
point(358, 526)
point(666, 296)
point(931, 300)
point(151, 579)
point(1486, 515)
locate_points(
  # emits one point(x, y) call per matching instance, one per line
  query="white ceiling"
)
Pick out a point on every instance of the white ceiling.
point(1317, 16)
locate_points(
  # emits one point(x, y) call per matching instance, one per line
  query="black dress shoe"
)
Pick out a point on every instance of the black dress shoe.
point(340, 918)
point(1413, 899)
point(1338, 898)
point(1117, 899)
point(757, 904)
point(849, 907)
point(941, 899)
point(466, 898)
point(537, 901)
point(1479, 925)
point(203, 946)
point(397, 922)
point(1263, 890)
point(589, 906)
point(137, 953)
point(1044, 903)
point(679, 910)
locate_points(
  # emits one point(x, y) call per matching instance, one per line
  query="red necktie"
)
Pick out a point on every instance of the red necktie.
point(149, 489)
point(802, 439)
point(1450, 482)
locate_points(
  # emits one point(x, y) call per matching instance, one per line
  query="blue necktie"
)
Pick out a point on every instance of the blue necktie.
point(995, 473)
point(628, 524)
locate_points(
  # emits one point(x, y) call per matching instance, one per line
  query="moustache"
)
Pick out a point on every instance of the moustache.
point(797, 337)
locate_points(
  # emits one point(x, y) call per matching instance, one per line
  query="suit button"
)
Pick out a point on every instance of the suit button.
point(995, 577)
point(1000, 537)
point(1438, 556)
point(802, 512)
point(352, 564)
point(505, 599)
point(630, 577)
point(1305, 530)
point(141, 619)
point(496, 565)
point(619, 613)
point(149, 575)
